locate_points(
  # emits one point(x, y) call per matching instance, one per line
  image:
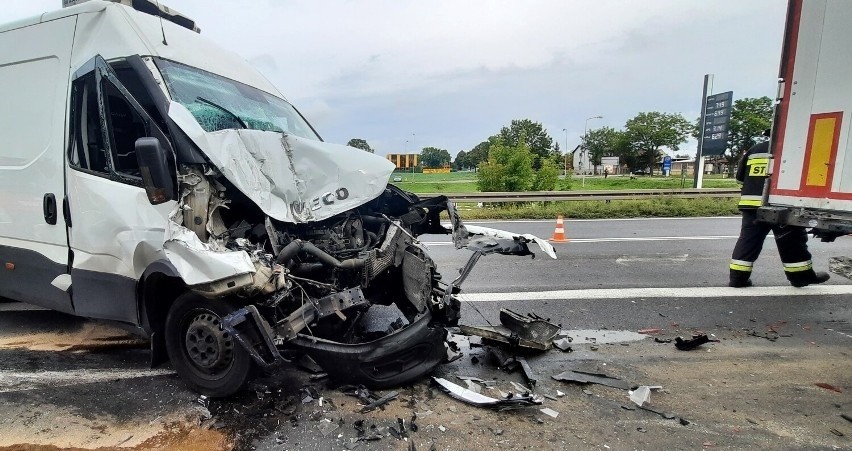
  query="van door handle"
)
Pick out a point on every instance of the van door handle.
point(49, 206)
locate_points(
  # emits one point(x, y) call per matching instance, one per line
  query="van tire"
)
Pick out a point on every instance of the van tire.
point(222, 366)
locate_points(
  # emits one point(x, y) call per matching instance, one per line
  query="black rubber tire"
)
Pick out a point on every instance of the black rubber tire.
point(235, 366)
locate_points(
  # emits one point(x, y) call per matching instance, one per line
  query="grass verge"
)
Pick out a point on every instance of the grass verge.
point(651, 208)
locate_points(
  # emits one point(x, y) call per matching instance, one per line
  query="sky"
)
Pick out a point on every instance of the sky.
point(406, 74)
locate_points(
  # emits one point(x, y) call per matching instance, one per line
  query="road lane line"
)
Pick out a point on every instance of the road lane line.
point(622, 239)
point(682, 292)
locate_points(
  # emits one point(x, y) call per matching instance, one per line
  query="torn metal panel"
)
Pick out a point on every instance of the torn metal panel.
point(583, 377)
point(502, 335)
point(530, 327)
point(198, 262)
point(289, 178)
point(477, 399)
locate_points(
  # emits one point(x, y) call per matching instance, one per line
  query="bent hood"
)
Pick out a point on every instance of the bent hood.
point(289, 178)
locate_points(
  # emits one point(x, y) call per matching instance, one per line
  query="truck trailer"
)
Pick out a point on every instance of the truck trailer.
point(810, 182)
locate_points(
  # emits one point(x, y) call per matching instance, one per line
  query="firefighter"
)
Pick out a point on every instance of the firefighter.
point(792, 241)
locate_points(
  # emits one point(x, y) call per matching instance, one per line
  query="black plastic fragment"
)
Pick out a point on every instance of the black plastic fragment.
point(696, 341)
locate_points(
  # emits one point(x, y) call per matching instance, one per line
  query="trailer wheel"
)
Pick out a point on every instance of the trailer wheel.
point(206, 357)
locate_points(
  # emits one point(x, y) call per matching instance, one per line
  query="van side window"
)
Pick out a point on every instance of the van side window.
point(126, 126)
point(89, 151)
point(117, 157)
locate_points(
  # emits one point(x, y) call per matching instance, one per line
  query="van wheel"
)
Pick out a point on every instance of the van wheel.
point(206, 357)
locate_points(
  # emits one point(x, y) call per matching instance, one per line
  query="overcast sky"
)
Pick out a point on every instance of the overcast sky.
point(451, 73)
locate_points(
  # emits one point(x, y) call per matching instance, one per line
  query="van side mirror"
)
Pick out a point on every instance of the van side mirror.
point(154, 167)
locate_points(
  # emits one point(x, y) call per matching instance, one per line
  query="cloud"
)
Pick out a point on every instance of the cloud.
point(453, 73)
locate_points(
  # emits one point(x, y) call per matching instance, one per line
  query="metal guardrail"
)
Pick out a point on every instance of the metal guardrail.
point(550, 196)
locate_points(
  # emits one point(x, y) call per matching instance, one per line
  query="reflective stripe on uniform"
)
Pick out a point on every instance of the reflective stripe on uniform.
point(798, 267)
point(741, 265)
point(759, 155)
point(751, 201)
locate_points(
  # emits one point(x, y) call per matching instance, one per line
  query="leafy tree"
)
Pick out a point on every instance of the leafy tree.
point(750, 117)
point(508, 168)
point(479, 153)
point(602, 142)
point(646, 133)
point(534, 135)
point(359, 143)
point(461, 161)
point(433, 157)
point(547, 176)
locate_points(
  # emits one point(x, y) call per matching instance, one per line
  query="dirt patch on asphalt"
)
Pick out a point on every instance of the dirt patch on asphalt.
point(90, 336)
point(175, 437)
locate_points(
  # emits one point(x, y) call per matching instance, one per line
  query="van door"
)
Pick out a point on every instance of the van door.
point(34, 76)
point(115, 232)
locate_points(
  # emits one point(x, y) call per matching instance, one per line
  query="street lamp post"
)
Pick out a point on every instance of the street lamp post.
point(585, 151)
point(412, 149)
point(566, 152)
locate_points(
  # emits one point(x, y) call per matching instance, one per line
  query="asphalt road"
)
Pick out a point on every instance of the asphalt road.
point(69, 382)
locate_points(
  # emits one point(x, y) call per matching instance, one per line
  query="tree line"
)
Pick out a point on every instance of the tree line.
point(523, 156)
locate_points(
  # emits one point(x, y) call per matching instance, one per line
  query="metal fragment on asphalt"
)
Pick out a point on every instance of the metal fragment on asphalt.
point(477, 399)
point(583, 377)
point(549, 412)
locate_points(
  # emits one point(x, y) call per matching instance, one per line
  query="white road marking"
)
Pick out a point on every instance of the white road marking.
point(539, 221)
point(621, 239)
point(653, 259)
point(682, 292)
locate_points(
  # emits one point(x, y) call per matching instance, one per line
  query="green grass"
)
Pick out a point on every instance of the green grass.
point(661, 207)
point(465, 182)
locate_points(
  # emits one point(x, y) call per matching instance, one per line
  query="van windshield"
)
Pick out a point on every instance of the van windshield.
point(219, 103)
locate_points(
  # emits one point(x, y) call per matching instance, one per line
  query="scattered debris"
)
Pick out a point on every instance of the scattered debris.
point(650, 331)
point(829, 387)
point(520, 388)
point(641, 429)
point(480, 400)
point(549, 412)
point(773, 337)
point(627, 407)
point(307, 363)
point(640, 396)
point(563, 344)
point(309, 394)
point(518, 331)
point(529, 376)
point(442, 428)
point(327, 426)
point(846, 417)
point(751, 421)
point(662, 340)
point(696, 341)
point(836, 432)
point(560, 394)
point(583, 377)
point(371, 400)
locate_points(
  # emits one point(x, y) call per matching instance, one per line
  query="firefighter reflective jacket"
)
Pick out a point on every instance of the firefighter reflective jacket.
point(753, 171)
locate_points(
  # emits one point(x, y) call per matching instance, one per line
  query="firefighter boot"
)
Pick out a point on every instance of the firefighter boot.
point(740, 279)
point(809, 277)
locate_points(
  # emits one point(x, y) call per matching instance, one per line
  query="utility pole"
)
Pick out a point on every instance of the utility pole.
point(699, 157)
point(566, 152)
point(413, 146)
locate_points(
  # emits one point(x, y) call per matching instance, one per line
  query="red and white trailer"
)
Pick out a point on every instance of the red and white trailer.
point(811, 170)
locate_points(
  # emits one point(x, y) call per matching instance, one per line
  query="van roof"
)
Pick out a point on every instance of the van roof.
point(115, 30)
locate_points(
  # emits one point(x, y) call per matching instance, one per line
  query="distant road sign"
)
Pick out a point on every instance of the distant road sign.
point(717, 122)
point(667, 165)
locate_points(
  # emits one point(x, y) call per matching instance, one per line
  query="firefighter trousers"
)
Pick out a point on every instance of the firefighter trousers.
point(792, 242)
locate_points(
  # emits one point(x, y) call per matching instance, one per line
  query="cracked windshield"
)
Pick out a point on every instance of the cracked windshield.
point(219, 103)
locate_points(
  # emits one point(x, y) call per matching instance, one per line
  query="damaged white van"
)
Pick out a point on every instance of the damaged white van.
point(150, 178)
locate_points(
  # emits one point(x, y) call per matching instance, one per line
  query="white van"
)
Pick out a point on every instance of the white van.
point(148, 177)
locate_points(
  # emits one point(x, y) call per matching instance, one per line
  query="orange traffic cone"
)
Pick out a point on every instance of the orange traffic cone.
point(559, 233)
